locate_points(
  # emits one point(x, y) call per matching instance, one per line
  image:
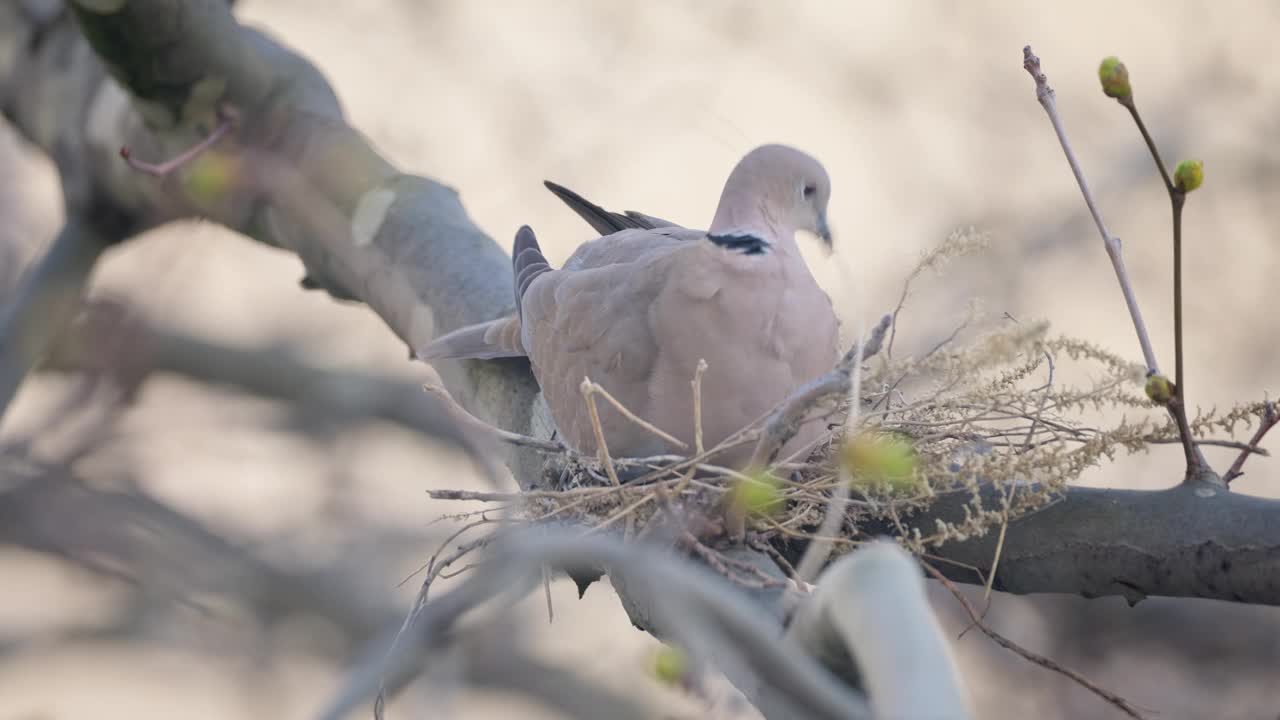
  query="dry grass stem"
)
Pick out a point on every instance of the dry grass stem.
point(602, 449)
point(697, 406)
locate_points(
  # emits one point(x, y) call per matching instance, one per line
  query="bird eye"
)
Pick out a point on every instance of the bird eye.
point(808, 191)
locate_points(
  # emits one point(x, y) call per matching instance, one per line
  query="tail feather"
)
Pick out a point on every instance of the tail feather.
point(495, 339)
point(527, 262)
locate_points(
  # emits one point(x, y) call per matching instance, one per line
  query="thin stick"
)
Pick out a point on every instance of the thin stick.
point(1045, 95)
point(546, 591)
point(995, 561)
point(1132, 107)
point(624, 512)
point(1120, 703)
point(697, 405)
point(816, 554)
point(1177, 199)
point(462, 417)
point(226, 120)
point(602, 450)
point(1270, 416)
point(592, 388)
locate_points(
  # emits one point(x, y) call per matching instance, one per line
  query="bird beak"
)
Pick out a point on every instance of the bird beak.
point(824, 234)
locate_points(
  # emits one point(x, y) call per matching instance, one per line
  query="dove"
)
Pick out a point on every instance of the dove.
point(636, 309)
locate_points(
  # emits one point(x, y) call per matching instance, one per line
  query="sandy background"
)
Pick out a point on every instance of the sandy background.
point(926, 122)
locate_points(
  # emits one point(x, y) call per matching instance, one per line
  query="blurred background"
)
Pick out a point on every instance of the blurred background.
point(284, 421)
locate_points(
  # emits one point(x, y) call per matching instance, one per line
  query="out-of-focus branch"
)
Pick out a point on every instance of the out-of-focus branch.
point(108, 339)
point(127, 535)
point(872, 601)
point(44, 304)
point(701, 611)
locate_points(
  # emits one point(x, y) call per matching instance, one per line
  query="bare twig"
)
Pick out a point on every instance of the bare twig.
point(226, 120)
point(1197, 467)
point(1270, 417)
point(819, 549)
point(697, 406)
point(602, 449)
point(1177, 199)
point(1045, 95)
point(1120, 703)
point(467, 420)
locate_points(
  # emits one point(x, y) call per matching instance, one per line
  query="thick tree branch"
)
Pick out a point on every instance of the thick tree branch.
point(1193, 540)
point(300, 178)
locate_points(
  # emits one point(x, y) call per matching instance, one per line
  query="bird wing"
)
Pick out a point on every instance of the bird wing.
point(593, 318)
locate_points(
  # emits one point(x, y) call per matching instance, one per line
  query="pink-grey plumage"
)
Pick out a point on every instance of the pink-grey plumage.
point(636, 309)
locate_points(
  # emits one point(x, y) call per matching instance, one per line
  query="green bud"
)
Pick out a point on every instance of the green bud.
point(1189, 175)
point(1159, 389)
point(1115, 78)
point(759, 495)
point(881, 459)
point(211, 177)
point(670, 665)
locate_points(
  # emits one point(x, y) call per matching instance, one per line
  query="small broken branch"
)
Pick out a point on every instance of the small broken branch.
point(226, 120)
point(1270, 417)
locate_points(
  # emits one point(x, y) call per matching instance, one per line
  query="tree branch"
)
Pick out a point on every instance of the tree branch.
point(1193, 540)
point(44, 304)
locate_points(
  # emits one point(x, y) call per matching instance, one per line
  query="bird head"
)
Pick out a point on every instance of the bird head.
point(779, 186)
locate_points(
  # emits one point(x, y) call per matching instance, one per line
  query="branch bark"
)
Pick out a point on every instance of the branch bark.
point(1192, 540)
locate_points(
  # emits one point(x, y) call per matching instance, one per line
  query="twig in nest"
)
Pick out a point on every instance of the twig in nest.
point(726, 566)
point(602, 450)
point(226, 120)
point(591, 388)
point(624, 512)
point(1120, 703)
point(484, 429)
point(1270, 416)
point(697, 405)
point(783, 423)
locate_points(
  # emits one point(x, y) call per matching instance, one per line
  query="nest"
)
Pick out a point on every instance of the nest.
point(982, 417)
